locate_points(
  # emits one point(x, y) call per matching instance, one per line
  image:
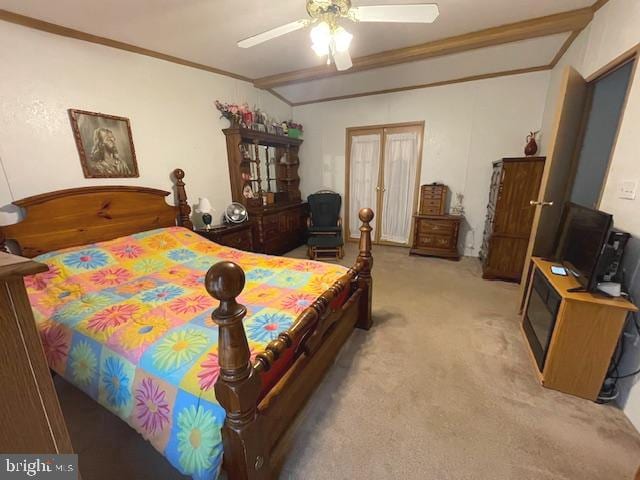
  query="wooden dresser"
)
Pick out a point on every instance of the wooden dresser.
point(514, 183)
point(238, 236)
point(436, 235)
point(279, 228)
point(30, 415)
point(263, 173)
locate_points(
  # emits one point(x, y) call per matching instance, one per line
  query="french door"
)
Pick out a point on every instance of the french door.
point(383, 172)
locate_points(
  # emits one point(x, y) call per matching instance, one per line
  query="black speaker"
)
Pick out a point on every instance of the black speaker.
point(608, 269)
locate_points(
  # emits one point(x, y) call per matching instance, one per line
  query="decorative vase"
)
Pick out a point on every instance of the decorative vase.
point(532, 147)
point(458, 208)
point(247, 118)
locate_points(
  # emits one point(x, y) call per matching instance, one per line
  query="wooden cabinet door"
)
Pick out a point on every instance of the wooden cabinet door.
point(557, 170)
point(521, 184)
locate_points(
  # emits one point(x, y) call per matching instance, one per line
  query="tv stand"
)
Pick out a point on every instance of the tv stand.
point(571, 334)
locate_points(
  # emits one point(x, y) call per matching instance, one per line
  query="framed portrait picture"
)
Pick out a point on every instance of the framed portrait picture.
point(105, 145)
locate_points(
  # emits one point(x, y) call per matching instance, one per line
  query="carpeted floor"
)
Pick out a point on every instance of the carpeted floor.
point(440, 388)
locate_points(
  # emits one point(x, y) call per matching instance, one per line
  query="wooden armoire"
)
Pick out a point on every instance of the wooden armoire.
point(514, 184)
point(263, 172)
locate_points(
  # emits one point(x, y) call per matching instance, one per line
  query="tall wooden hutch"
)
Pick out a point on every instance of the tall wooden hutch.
point(514, 183)
point(263, 172)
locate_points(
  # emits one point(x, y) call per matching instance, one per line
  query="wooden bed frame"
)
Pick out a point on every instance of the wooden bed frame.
point(256, 432)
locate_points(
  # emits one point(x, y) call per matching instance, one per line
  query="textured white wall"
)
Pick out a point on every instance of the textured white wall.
point(467, 127)
point(614, 30)
point(173, 119)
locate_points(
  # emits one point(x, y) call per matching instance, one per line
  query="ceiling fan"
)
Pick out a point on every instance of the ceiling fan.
point(330, 39)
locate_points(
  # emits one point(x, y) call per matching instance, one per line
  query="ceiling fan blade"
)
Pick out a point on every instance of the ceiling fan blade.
point(342, 60)
point(414, 13)
point(273, 33)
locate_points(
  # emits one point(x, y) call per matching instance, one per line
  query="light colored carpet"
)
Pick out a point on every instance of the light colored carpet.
point(440, 388)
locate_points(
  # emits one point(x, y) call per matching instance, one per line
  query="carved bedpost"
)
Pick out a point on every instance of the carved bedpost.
point(183, 205)
point(365, 264)
point(238, 386)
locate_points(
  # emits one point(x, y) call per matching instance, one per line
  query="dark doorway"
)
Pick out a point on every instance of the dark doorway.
point(608, 96)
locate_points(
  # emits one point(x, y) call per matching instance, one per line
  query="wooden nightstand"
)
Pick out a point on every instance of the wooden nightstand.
point(436, 235)
point(238, 236)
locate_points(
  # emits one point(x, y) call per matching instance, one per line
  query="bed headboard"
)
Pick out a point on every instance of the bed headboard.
point(78, 216)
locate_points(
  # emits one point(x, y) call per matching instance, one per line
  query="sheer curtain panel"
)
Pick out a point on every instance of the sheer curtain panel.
point(400, 166)
point(363, 178)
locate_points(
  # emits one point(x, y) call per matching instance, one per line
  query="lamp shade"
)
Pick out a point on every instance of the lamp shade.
point(204, 205)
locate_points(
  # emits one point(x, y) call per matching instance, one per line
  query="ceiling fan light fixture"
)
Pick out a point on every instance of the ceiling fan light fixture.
point(342, 39)
point(321, 38)
point(330, 39)
point(321, 50)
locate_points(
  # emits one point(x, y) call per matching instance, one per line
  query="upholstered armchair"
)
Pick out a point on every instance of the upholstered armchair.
point(325, 225)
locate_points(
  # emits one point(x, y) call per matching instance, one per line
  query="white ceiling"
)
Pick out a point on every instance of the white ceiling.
point(501, 58)
point(206, 32)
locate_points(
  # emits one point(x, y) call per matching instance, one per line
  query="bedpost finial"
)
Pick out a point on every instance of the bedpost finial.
point(364, 264)
point(184, 209)
point(178, 173)
point(224, 281)
point(366, 215)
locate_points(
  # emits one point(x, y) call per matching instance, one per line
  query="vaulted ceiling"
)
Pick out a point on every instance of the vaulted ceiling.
point(461, 44)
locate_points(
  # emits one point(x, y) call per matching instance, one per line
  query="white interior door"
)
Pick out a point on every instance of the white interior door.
point(364, 167)
point(399, 187)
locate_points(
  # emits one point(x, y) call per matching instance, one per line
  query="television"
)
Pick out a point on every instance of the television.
point(581, 242)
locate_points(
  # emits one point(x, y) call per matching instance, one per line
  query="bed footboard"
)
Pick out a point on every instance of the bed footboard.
point(254, 431)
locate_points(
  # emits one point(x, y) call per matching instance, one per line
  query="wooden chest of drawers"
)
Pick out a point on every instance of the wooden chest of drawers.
point(279, 229)
point(433, 199)
point(436, 235)
point(238, 236)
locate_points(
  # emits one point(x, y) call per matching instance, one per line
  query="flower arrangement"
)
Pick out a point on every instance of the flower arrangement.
point(293, 130)
point(243, 116)
point(293, 125)
point(236, 114)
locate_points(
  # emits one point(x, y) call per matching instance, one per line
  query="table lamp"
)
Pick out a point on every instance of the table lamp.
point(204, 207)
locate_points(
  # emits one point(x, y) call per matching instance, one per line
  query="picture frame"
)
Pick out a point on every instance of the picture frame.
point(105, 145)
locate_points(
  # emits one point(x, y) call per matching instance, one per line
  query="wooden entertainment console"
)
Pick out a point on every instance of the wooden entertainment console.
point(571, 335)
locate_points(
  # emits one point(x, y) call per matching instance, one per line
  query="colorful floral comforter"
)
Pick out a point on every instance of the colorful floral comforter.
point(129, 322)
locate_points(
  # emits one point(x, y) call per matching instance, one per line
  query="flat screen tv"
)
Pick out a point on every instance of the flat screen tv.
point(581, 241)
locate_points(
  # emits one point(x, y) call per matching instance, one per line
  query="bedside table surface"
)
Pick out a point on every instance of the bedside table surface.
point(237, 235)
point(224, 228)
